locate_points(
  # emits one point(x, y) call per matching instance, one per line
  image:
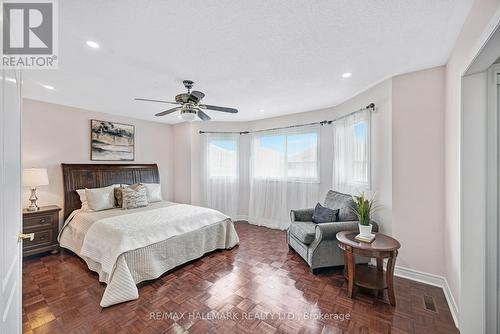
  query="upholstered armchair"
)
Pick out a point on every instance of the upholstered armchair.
point(316, 243)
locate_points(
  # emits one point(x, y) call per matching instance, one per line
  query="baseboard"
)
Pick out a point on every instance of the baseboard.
point(241, 217)
point(433, 280)
point(451, 302)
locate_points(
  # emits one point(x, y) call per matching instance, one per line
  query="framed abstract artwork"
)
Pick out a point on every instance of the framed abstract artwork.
point(110, 141)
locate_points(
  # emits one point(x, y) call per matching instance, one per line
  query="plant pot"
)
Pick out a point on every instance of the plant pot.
point(365, 230)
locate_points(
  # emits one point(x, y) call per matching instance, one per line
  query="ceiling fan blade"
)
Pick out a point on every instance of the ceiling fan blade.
point(169, 111)
point(150, 100)
point(223, 109)
point(203, 116)
point(196, 96)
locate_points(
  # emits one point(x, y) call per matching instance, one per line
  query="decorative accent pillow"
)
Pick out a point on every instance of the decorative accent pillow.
point(100, 198)
point(324, 215)
point(134, 196)
point(83, 197)
point(154, 192)
point(118, 194)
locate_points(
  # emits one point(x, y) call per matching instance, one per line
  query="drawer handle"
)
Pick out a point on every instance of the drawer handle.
point(23, 236)
point(42, 220)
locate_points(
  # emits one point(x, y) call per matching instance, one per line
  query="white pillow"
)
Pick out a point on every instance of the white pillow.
point(153, 191)
point(83, 196)
point(100, 198)
point(83, 199)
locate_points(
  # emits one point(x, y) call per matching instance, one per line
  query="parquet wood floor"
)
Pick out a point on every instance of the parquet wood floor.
point(260, 287)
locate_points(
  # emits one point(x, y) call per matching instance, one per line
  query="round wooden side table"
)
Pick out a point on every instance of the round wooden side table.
point(383, 247)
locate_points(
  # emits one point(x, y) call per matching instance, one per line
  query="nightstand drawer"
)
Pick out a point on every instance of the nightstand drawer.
point(42, 238)
point(44, 223)
point(39, 221)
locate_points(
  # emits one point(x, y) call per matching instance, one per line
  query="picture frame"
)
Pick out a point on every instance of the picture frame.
point(111, 141)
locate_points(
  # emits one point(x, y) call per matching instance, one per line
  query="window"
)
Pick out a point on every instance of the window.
point(222, 157)
point(351, 153)
point(360, 154)
point(287, 155)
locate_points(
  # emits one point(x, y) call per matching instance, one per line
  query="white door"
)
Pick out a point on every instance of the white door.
point(10, 201)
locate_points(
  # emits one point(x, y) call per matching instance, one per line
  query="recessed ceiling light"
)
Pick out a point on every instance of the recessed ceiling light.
point(49, 87)
point(179, 116)
point(261, 110)
point(346, 75)
point(93, 44)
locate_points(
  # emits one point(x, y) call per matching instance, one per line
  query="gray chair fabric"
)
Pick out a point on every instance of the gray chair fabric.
point(317, 243)
point(335, 200)
point(304, 231)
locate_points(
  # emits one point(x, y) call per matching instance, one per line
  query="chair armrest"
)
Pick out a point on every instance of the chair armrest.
point(328, 231)
point(303, 215)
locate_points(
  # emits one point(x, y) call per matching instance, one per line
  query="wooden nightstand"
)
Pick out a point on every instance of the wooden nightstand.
point(44, 223)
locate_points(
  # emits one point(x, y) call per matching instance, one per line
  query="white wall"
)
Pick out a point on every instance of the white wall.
point(182, 162)
point(418, 168)
point(55, 134)
point(475, 31)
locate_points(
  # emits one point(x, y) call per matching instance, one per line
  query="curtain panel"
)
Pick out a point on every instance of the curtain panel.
point(351, 153)
point(221, 173)
point(284, 174)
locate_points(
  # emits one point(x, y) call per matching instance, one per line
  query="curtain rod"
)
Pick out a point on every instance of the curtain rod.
point(370, 107)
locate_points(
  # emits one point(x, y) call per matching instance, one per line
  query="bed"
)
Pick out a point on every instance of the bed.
point(126, 247)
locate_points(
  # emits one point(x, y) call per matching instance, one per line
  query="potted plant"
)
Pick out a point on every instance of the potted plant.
point(363, 208)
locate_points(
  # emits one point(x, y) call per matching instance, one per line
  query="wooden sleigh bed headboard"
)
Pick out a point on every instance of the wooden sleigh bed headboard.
point(81, 176)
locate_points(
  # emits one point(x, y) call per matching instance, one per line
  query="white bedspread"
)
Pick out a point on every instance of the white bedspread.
point(110, 237)
point(106, 240)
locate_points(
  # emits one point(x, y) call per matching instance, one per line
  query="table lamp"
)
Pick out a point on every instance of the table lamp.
point(34, 177)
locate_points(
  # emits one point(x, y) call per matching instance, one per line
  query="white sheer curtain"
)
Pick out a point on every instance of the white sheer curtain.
point(351, 153)
point(284, 174)
point(221, 173)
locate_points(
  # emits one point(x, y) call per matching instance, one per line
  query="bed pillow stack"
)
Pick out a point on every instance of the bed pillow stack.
point(119, 195)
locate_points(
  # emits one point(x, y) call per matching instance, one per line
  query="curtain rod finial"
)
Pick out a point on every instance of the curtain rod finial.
point(371, 106)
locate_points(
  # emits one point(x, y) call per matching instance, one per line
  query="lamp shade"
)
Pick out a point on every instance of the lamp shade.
point(188, 116)
point(34, 177)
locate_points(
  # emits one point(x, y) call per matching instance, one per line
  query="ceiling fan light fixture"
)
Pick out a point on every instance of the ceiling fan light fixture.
point(189, 105)
point(188, 116)
point(93, 45)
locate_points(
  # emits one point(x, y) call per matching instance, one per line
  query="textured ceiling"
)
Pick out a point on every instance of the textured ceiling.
point(283, 56)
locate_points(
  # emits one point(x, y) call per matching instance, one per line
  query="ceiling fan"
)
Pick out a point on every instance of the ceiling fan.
point(189, 104)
